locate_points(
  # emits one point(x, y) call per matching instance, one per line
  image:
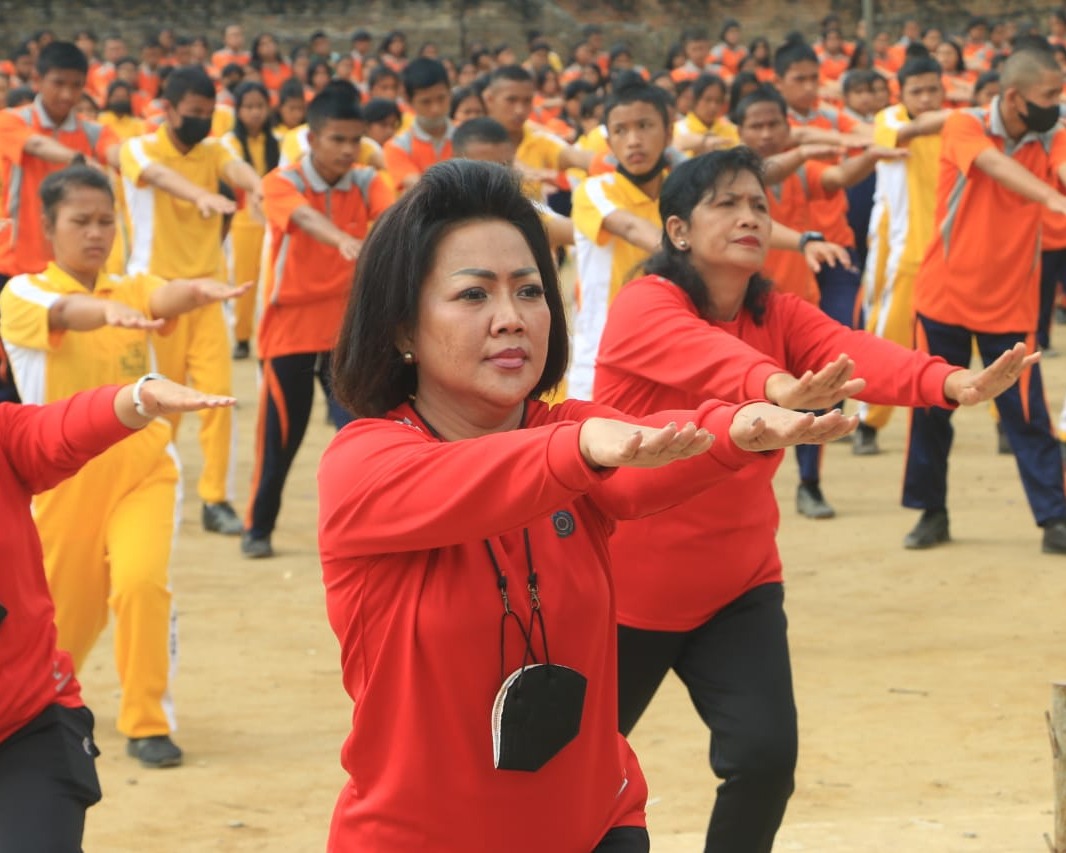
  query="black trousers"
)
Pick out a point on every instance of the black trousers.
point(287, 392)
point(737, 670)
point(47, 781)
point(625, 839)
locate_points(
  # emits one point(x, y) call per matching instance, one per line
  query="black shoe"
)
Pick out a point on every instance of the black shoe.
point(1054, 537)
point(865, 441)
point(255, 547)
point(931, 529)
point(241, 350)
point(1003, 447)
point(811, 503)
point(220, 518)
point(154, 751)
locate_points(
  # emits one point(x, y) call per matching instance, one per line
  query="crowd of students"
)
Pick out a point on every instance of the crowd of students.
point(191, 206)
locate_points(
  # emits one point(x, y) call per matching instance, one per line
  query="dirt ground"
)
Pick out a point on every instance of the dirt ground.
point(921, 678)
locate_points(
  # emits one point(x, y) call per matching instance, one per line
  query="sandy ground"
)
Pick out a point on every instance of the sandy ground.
point(921, 678)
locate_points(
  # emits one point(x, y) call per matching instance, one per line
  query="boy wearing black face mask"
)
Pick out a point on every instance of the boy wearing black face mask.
point(999, 169)
point(174, 238)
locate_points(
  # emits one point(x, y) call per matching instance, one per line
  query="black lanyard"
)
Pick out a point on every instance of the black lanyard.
point(536, 615)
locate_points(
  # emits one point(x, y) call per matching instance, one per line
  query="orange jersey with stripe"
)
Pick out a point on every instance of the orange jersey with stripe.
point(23, 247)
point(982, 268)
point(413, 151)
point(790, 204)
point(306, 283)
point(830, 214)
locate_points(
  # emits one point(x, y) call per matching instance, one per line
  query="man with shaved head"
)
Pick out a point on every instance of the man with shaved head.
point(1000, 170)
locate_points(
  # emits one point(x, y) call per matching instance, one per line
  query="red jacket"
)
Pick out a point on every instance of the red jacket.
point(39, 447)
point(674, 571)
point(413, 599)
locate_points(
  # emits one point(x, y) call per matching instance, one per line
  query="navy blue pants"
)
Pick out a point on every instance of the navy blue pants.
point(285, 408)
point(1028, 427)
point(738, 673)
point(1052, 274)
point(860, 209)
point(840, 293)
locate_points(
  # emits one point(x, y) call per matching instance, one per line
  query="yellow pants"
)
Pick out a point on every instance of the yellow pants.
point(197, 352)
point(107, 534)
point(247, 244)
point(890, 315)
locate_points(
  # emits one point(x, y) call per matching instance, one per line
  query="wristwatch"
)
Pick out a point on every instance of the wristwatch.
point(807, 236)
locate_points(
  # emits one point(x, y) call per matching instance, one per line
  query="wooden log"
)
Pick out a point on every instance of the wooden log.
point(1056, 723)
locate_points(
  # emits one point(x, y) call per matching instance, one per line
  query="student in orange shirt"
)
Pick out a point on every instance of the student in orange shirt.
point(272, 68)
point(318, 212)
point(977, 51)
point(958, 81)
point(696, 48)
point(729, 52)
point(232, 50)
point(977, 282)
point(429, 138)
point(148, 73)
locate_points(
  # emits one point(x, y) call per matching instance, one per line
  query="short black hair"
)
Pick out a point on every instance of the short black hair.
point(54, 188)
point(369, 374)
point(382, 72)
point(728, 24)
point(642, 94)
point(461, 94)
point(334, 103)
point(687, 185)
point(19, 97)
point(61, 56)
point(985, 80)
point(510, 74)
point(792, 53)
point(483, 129)
point(914, 67)
point(577, 89)
point(765, 94)
point(379, 109)
point(188, 80)
point(694, 34)
point(115, 85)
point(423, 73)
point(290, 89)
point(705, 81)
point(859, 78)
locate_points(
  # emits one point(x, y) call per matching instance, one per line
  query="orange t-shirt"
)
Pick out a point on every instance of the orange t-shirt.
point(306, 283)
point(832, 68)
point(221, 58)
point(274, 77)
point(831, 213)
point(412, 152)
point(982, 268)
point(23, 247)
point(791, 205)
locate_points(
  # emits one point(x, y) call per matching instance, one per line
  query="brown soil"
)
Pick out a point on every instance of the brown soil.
point(921, 677)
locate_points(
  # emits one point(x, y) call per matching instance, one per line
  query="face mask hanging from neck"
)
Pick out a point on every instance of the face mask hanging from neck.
point(644, 177)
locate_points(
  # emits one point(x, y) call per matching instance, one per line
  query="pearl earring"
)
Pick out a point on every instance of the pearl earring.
point(682, 244)
point(408, 357)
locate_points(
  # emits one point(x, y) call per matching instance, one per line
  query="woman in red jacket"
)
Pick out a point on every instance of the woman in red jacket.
point(698, 588)
point(47, 756)
point(463, 532)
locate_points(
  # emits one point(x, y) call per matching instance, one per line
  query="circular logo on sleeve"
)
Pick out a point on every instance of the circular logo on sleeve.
point(563, 522)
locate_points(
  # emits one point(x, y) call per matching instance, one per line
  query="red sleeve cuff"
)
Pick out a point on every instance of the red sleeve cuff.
point(931, 383)
point(567, 464)
point(755, 381)
point(717, 417)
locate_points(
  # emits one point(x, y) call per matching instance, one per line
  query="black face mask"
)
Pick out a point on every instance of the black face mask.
point(192, 130)
point(1040, 119)
point(120, 108)
point(644, 177)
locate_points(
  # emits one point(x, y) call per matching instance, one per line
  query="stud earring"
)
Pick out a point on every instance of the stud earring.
point(682, 244)
point(408, 357)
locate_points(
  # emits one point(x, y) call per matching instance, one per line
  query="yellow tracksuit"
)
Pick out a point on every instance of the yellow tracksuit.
point(246, 241)
point(901, 227)
point(125, 127)
point(107, 531)
point(171, 240)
